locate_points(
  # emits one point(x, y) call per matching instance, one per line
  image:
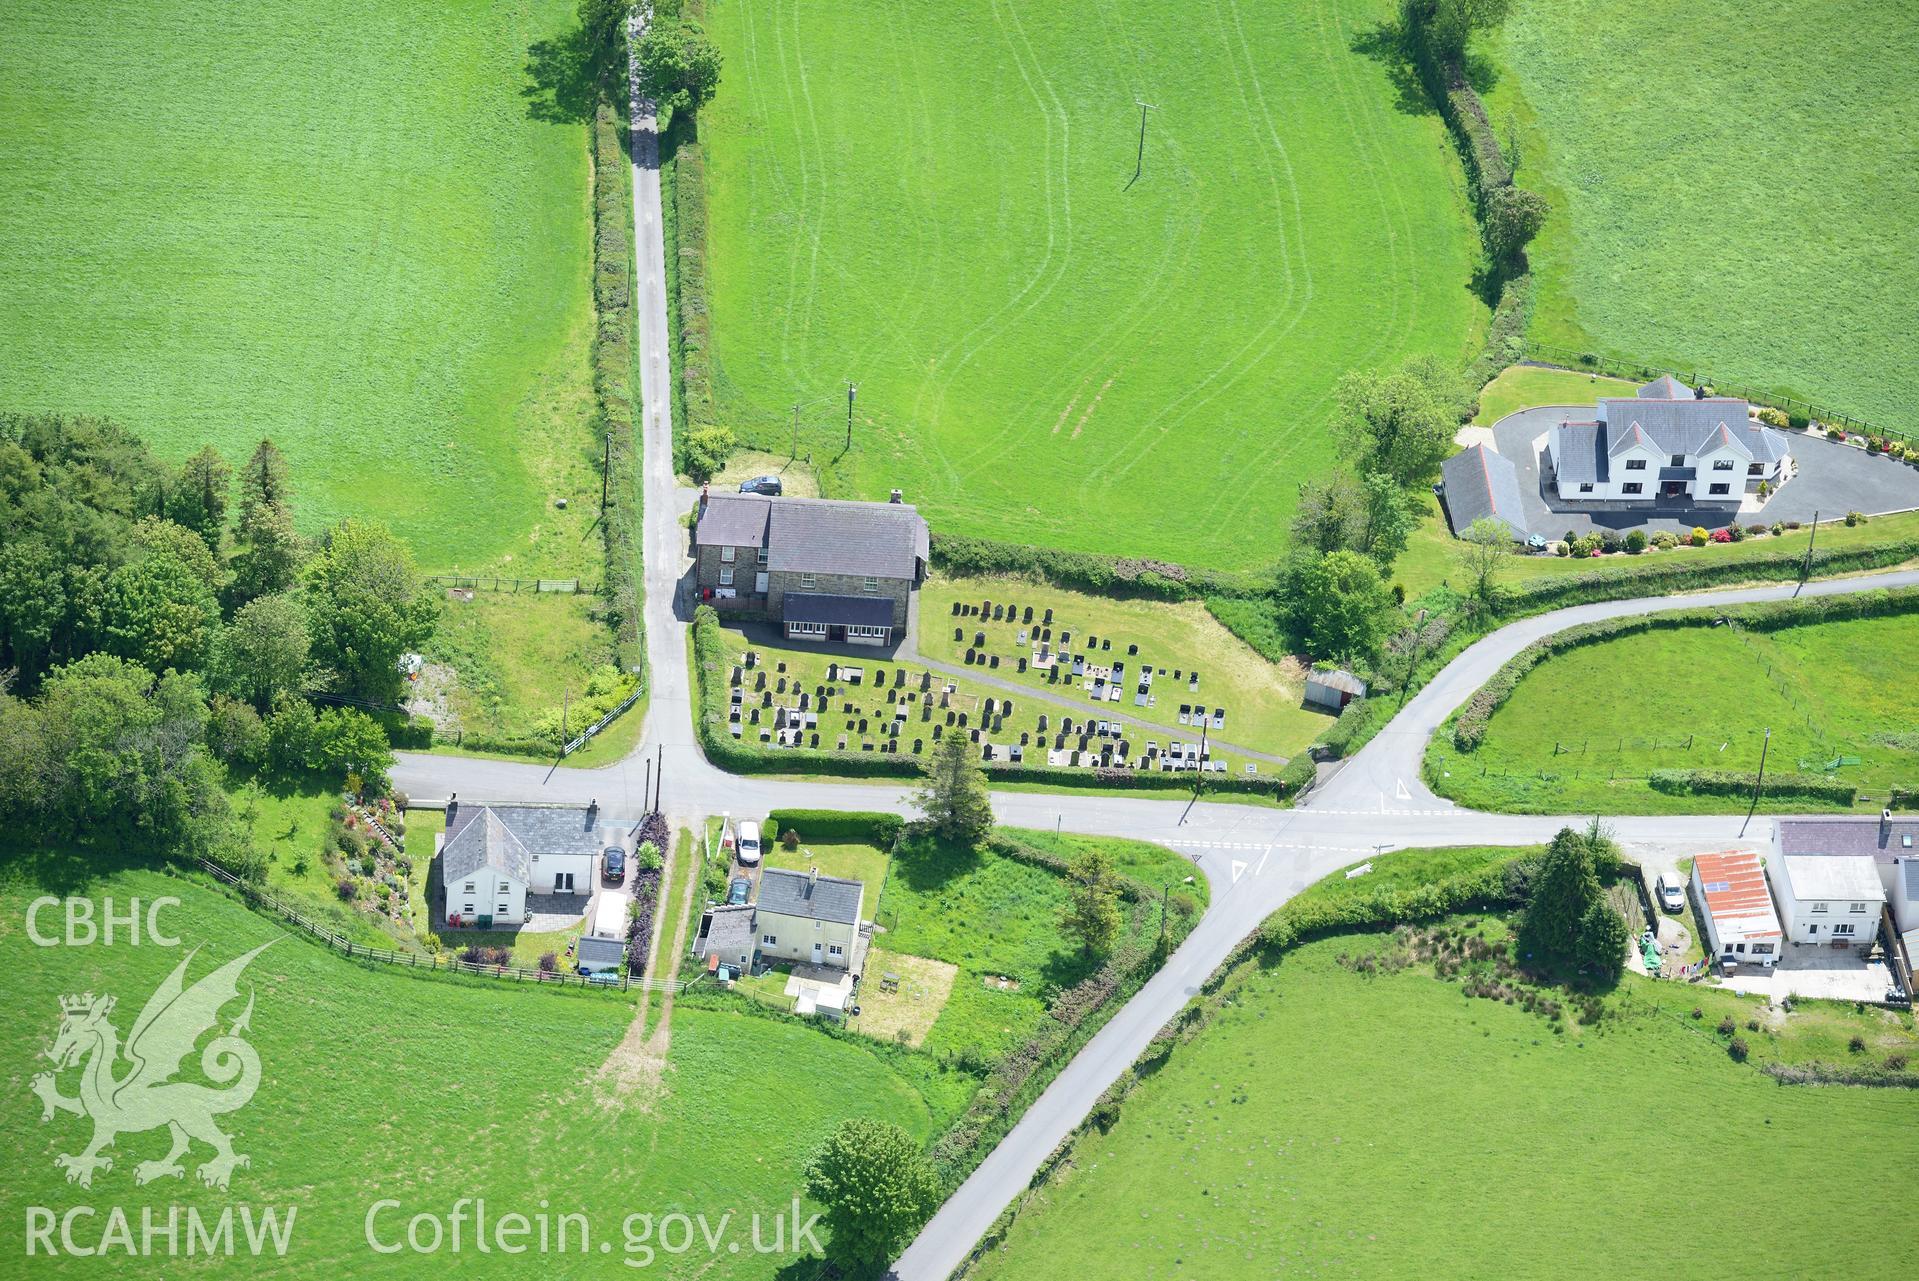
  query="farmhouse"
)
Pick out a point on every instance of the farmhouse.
point(823, 569)
point(1741, 927)
point(813, 919)
point(493, 856)
point(1667, 445)
point(1833, 899)
point(1479, 483)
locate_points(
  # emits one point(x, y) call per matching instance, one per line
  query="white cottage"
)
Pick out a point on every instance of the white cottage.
point(493, 856)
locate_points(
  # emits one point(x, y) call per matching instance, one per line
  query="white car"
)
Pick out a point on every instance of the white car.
point(1669, 896)
point(749, 851)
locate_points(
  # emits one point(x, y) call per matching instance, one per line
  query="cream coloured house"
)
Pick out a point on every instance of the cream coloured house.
point(809, 918)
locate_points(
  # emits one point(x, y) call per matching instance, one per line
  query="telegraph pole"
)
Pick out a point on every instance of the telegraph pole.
point(1412, 664)
point(796, 432)
point(1812, 537)
point(1139, 163)
point(852, 389)
point(1759, 784)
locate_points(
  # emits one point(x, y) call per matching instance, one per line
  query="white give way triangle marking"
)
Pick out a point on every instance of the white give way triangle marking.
point(1239, 868)
point(1400, 793)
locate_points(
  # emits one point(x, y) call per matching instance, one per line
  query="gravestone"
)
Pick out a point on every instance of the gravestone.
point(1042, 722)
point(919, 745)
point(992, 661)
point(1022, 664)
point(959, 635)
point(998, 613)
point(759, 681)
point(937, 729)
point(1049, 615)
point(1132, 650)
point(1106, 643)
point(1026, 615)
point(956, 609)
point(815, 739)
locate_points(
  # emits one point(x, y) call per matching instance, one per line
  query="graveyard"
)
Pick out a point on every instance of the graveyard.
point(1170, 665)
point(793, 699)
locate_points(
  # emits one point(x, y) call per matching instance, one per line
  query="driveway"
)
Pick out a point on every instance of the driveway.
point(1832, 479)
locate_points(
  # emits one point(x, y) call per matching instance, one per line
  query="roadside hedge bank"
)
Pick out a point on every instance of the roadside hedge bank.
point(1723, 782)
point(1469, 729)
point(613, 390)
point(829, 826)
point(961, 555)
point(1660, 576)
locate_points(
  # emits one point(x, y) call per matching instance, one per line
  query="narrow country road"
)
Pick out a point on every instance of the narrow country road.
point(1254, 858)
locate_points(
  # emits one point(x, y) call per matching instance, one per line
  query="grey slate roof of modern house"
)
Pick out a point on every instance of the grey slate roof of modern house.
point(1666, 387)
point(1480, 483)
point(820, 535)
point(816, 607)
point(825, 898)
point(1582, 453)
point(1877, 838)
point(729, 931)
point(599, 952)
point(506, 837)
point(1690, 427)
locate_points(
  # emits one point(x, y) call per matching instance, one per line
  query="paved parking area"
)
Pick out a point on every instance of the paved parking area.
point(1826, 973)
point(1832, 479)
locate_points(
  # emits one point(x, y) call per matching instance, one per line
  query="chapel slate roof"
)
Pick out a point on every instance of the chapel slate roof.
point(820, 535)
point(824, 898)
point(837, 611)
point(1482, 483)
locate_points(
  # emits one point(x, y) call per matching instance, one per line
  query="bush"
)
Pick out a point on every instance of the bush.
point(1833, 433)
point(1727, 1027)
point(1699, 535)
point(790, 839)
point(1738, 1049)
point(1857, 1044)
point(1665, 540)
point(1774, 417)
point(1855, 518)
point(704, 451)
point(1636, 542)
point(549, 962)
point(1895, 1063)
point(344, 888)
point(647, 857)
point(1725, 535)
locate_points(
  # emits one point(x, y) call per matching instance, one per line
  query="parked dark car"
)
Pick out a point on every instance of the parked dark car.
point(738, 890)
point(771, 486)
point(613, 865)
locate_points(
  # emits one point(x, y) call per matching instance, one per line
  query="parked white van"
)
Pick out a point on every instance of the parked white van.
point(749, 852)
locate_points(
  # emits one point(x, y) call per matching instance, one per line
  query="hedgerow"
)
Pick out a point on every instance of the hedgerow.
point(878, 828)
point(1661, 576)
point(1720, 782)
point(613, 385)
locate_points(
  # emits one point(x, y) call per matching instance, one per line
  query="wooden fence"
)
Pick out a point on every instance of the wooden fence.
point(1641, 371)
point(579, 740)
point(500, 583)
point(432, 961)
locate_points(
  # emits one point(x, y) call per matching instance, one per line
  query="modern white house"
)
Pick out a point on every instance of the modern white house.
point(1666, 446)
point(1729, 893)
point(493, 856)
point(1892, 843)
point(1832, 900)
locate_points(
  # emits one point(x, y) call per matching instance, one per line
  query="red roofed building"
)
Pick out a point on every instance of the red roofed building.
point(1735, 907)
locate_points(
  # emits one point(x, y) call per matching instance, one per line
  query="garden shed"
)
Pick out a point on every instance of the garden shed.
point(1332, 690)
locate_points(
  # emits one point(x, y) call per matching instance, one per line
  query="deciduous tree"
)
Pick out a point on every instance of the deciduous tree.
point(197, 499)
point(266, 651)
point(1484, 547)
point(1402, 423)
point(877, 1187)
point(679, 66)
point(1339, 605)
point(366, 607)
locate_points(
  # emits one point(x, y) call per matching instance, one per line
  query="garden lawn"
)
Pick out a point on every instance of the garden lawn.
point(1338, 1125)
point(1745, 213)
point(336, 224)
point(853, 860)
point(378, 1083)
point(1526, 386)
point(1586, 728)
point(939, 204)
point(1264, 700)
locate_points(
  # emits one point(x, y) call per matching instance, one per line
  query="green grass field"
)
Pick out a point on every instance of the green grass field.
point(333, 223)
point(377, 1083)
point(1724, 196)
point(1524, 386)
point(938, 203)
point(1331, 1124)
point(1596, 721)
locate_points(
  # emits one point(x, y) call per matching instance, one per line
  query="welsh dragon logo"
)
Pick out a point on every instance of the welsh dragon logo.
point(142, 1094)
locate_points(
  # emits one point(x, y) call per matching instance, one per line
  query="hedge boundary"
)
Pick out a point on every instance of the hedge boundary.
point(1724, 782)
point(1124, 576)
point(1301, 920)
point(877, 827)
point(1469, 727)
point(613, 390)
point(740, 757)
point(1691, 572)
